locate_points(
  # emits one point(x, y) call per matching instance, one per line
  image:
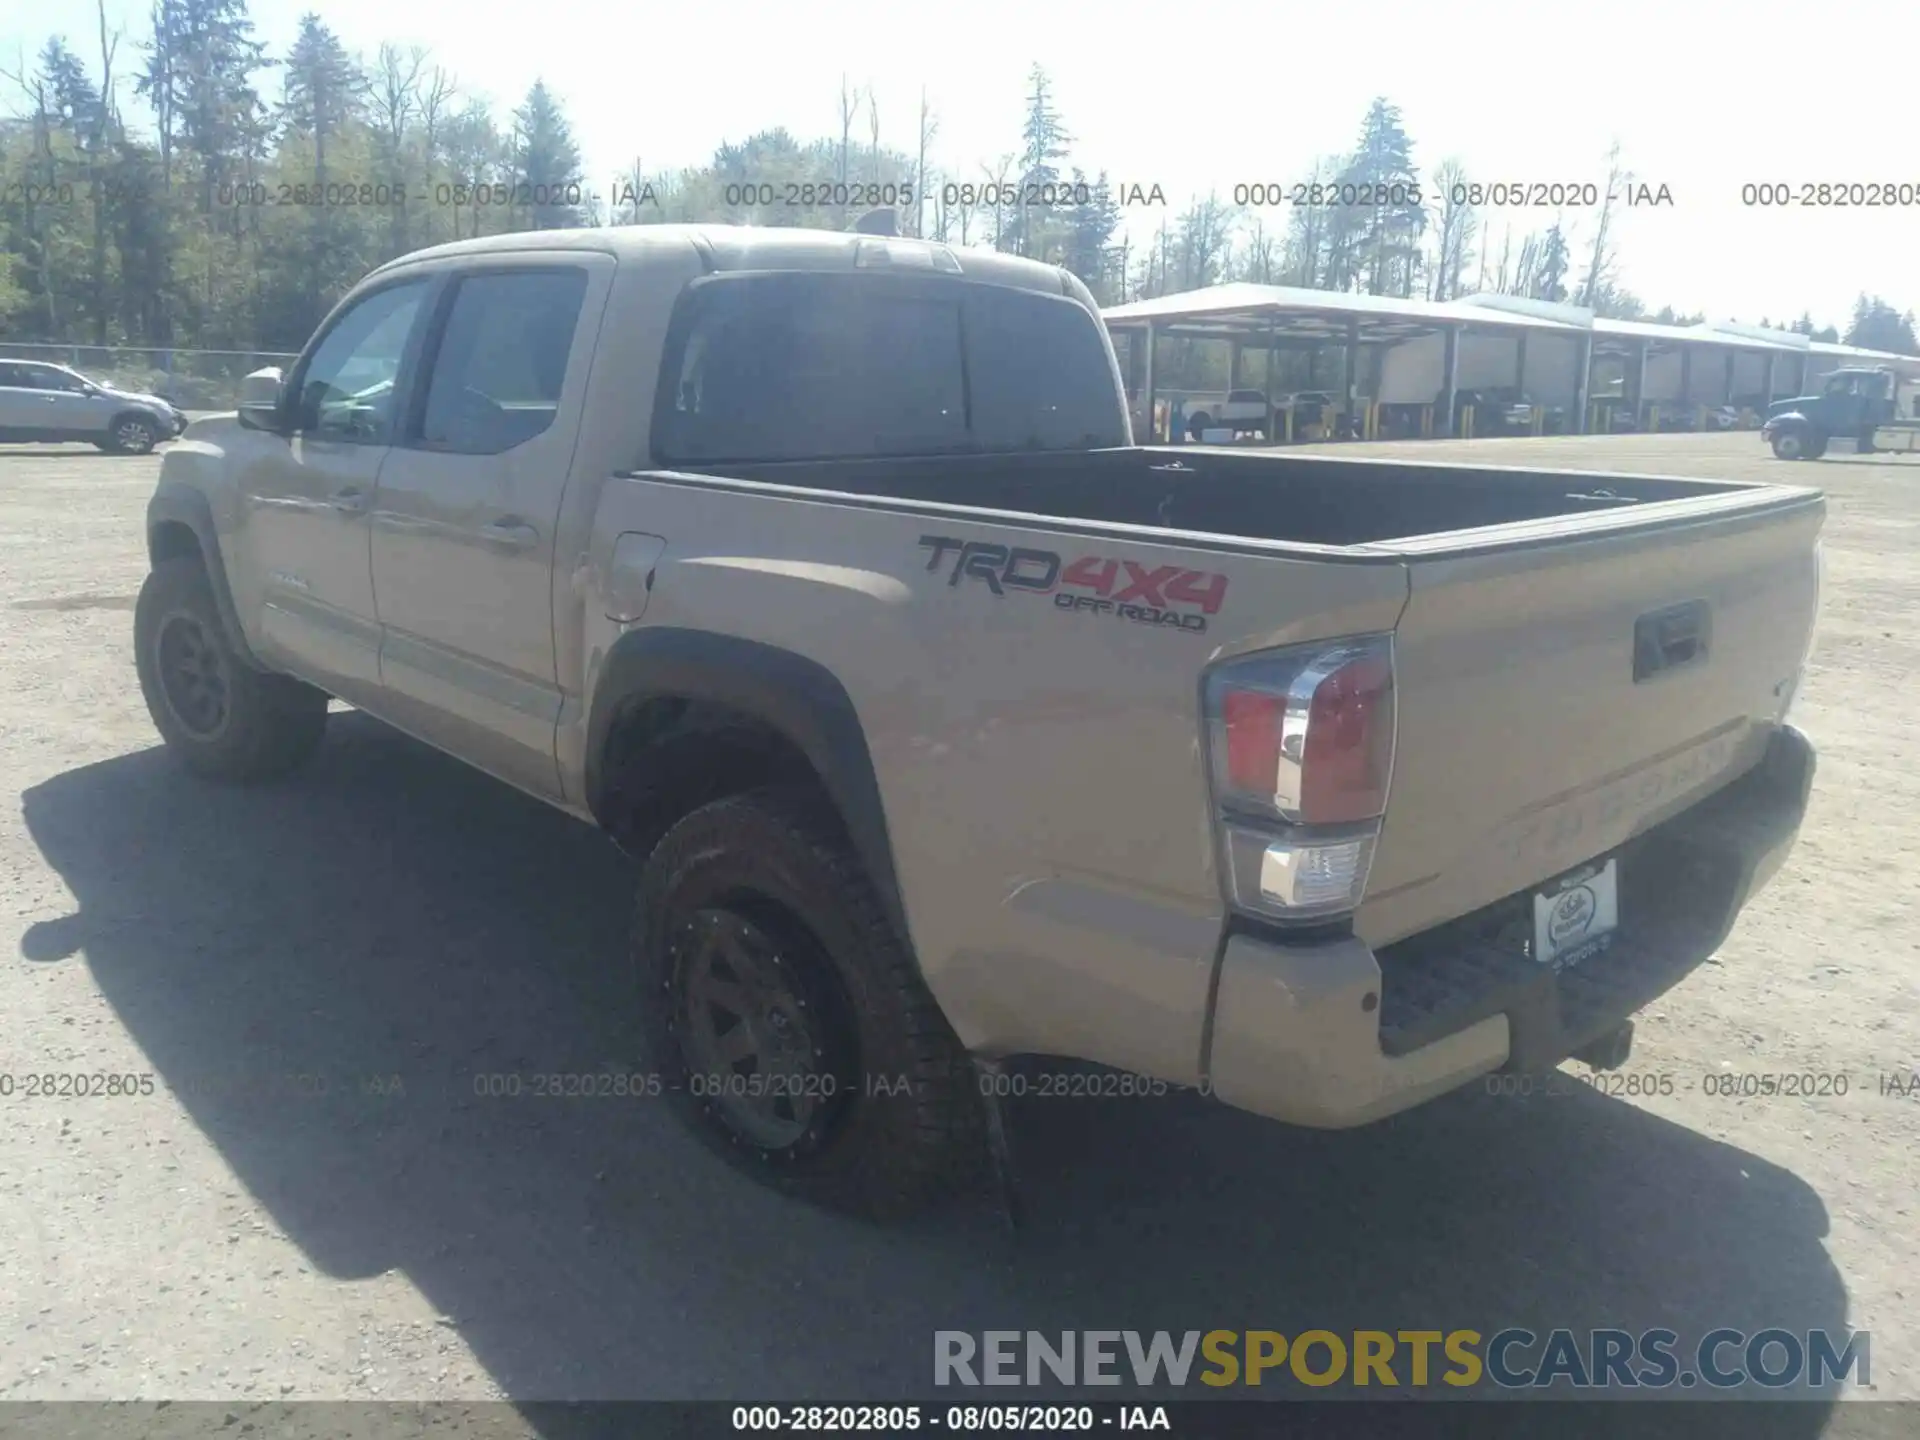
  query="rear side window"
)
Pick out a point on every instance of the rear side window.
point(501, 363)
point(812, 366)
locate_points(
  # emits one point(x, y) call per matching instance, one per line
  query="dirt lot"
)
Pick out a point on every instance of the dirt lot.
point(313, 1201)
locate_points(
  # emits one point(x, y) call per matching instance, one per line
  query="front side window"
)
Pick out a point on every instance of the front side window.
point(347, 388)
point(46, 377)
point(64, 381)
point(501, 363)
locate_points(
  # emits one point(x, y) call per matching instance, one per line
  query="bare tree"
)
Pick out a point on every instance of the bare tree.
point(106, 120)
point(1600, 263)
point(436, 99)
point(929, 127)
point(849, 107)
point(396, 100)
point(999, 187)
point(873, 135)
point(1457, 226)
point(157, 85)
point(1500, 282)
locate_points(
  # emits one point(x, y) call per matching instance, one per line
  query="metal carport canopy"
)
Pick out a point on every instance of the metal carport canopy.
point(1244, 310)
point(1269, 314)
point(1614, 335)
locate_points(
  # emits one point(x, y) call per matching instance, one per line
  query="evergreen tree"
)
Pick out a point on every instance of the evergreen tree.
point(1876, 325)
point(201, 63)
point(1386, 227)
point(77, 107)
point(1044, 140)
point(1550, 271)
point(1089, 241)
point(323, 91)
point(547, 159)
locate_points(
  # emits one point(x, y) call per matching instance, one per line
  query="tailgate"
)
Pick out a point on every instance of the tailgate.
point(1536, 732)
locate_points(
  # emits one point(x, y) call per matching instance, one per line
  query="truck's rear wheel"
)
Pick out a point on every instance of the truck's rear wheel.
point(220, 717)
point(786, 1019)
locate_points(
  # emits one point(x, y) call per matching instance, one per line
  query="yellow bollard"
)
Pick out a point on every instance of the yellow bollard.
point(1426, 422)
point(1289, 425)
point(1653, 419)
point(1464, 421)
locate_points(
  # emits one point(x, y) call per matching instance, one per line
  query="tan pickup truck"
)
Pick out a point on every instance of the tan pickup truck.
point(821, 572)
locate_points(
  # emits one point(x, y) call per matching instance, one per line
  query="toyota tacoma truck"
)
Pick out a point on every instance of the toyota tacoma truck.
point(950, 727)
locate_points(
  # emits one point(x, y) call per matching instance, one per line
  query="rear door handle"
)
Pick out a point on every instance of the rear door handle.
point(350, 501)
point(510, 533)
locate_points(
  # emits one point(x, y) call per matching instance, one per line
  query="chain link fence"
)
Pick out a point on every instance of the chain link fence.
point(192, 379)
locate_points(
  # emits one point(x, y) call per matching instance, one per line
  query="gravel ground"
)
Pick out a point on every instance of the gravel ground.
point(313, 1202)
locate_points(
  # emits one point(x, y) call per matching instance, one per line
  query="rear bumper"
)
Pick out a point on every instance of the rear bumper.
point(1333, 1035)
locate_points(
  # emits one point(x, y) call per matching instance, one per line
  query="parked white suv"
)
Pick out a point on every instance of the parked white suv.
point(41, 402)
point(1242, 411)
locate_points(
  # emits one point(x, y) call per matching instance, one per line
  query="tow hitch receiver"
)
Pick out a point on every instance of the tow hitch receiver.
point(1610, 1051)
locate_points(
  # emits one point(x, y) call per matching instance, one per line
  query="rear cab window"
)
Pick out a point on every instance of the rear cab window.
point(500, 361)
point(827, 366)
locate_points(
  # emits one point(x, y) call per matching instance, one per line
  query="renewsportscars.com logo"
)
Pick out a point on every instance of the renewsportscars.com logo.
point(1511, 1359)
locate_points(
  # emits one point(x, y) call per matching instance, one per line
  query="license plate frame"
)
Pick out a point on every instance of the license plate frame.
point(1576, 915)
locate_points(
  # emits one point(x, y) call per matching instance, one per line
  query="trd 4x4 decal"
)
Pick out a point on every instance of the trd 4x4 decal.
point(1169, 595)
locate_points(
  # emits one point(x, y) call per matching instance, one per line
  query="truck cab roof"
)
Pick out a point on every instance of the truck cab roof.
point(751, 247)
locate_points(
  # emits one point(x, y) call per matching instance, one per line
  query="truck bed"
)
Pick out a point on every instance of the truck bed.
point(1533, 732)
point(1307, 500)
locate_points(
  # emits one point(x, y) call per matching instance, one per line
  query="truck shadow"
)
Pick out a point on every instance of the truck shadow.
point(327, 972)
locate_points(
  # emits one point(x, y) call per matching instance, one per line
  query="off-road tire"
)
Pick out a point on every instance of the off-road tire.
point(904, 1128)
point(269, 723)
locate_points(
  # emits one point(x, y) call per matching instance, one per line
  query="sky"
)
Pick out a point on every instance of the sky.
point(1703, 98)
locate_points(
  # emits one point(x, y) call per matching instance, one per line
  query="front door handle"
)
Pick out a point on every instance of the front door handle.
point(510, 533)
point(350, 501)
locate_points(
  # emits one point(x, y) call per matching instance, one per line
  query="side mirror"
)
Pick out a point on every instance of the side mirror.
point(260, 399)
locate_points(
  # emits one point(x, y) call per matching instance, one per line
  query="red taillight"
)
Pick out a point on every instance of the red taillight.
point(1349, 744)
point(1252, 724)
point(1307, 732)
point(1302, 749)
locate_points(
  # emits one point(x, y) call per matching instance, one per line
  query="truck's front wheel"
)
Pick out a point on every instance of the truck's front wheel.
point(1791, 445)
point(785, 1018)
point(218, 715)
